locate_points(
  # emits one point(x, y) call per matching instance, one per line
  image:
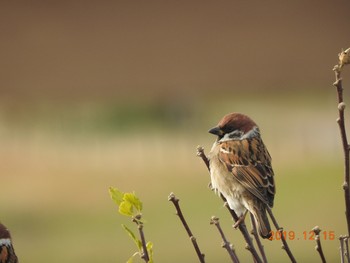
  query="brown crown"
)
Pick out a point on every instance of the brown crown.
point(4, 233)
point(236, 121)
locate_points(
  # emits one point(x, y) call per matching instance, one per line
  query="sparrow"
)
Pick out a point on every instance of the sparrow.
point(240, 169)
point(7, 252)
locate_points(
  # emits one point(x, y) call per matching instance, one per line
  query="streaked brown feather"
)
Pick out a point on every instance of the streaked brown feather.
point(249, 161)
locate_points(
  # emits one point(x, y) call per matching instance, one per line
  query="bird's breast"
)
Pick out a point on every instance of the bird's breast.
point(224, 182)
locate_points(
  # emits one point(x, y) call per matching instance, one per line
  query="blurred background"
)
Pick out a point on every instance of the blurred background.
point(119, 93)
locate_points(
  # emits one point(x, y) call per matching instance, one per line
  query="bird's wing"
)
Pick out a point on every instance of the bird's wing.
point(250, 163)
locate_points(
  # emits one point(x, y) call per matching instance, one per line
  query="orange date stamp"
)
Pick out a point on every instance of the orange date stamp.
point(305, 235)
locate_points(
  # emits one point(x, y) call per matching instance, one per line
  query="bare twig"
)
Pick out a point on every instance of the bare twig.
point(175, 201)
point(341, 240)
point(242, 226)
point(201, 154)
point(138, 222)
point(318, 247)
point(344, 249)
point(257, 239)
point(144, 254)
point(284, 242)
point(344, 58)
point(215, 221)
point(347, 248)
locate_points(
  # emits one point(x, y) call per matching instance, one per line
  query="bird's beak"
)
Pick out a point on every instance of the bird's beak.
point(216, 131)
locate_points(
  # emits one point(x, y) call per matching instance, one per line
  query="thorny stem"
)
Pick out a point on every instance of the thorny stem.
point(318, 247)
point(175, 201)
point(242, 226)
point(257, 239)
point(284, 242)
point(144, 254)
point(215, 221)
point(341, 122)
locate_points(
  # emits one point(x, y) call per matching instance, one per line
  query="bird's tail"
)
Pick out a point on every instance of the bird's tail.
point(262, 221)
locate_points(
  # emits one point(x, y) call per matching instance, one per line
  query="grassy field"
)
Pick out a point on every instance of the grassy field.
point(57, 164)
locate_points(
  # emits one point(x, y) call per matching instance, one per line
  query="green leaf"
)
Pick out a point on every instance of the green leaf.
point(126, 208)
point(116, 195)
point(133, 237)
point(134, 200)
point(149, 247)
point(131, 259)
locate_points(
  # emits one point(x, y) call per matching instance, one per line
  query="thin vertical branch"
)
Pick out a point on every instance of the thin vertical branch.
point(257, 239)
point(175, 201)
point(284, 242)
point(144, 255)
point(215, 221)
point(343, 60)
point(341, 240)
point(347, 248)
point(318, 247)
point(242, 227)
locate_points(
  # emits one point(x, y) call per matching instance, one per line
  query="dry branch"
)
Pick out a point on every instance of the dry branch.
point(344, 58)
point(254, 232)
point(144, 254)
point(283, 239)
point(215, 221)
point(347, 248)
point(318, 247)
point(175, 201)
point(342, 254)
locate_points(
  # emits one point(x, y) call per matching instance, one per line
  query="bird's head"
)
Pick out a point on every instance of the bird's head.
point(233, 126)
point(7, 252)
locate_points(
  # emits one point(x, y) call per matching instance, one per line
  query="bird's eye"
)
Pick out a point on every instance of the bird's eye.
point(235, 134)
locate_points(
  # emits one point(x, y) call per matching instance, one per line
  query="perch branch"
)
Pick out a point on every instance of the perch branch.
point(318, 247)
point(257, 239)
point(175, 201)
point(283, 239)
point(344, 58)
point(242, 226)
point(201, 154)
point(215, 221)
